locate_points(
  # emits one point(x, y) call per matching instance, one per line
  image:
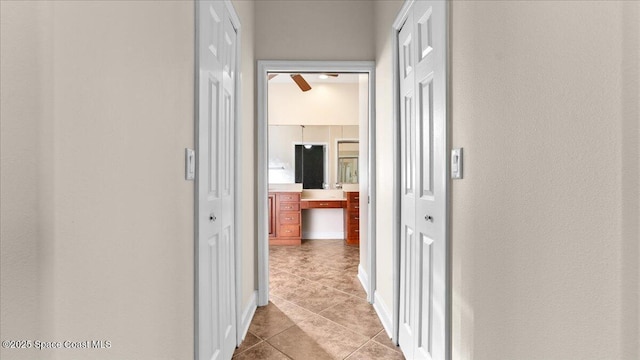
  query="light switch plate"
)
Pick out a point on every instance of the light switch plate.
point(189, 164)
point(456, 163)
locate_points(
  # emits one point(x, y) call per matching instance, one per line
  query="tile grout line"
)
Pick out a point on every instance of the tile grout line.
point(250, 347)
point(320, 255)
point(317, 282)
point(322, 316)
point(358, 349)
point(395, 348)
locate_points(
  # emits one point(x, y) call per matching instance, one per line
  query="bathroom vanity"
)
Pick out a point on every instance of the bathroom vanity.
point(285, 220)
point(287, 208)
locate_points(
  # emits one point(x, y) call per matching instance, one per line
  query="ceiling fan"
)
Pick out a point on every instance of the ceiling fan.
point(300, 81)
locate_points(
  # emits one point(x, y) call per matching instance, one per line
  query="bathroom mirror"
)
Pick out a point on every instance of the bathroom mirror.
point(348, 162)
point(282, 151)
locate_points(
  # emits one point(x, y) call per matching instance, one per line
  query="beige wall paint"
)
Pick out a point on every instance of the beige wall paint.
point(95, 118)
point(630, 92)
point(246, 13)
point(124, 228)
point(25, 178)
point(314, 30)
point(105, 118)
point(114, 243)
point(385, 13)
point(545, 223)
point(542, 95)
point(325, 104)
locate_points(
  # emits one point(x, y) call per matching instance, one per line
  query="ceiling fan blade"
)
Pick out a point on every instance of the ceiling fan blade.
point(271, 76)
point(301, 82)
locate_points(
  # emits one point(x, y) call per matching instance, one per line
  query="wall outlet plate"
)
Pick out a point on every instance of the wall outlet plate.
point(456, 163)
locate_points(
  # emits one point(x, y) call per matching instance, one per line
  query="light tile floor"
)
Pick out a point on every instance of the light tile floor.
point(318, 309)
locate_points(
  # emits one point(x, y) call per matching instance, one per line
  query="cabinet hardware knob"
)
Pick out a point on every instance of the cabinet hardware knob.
point(428, 218)
point(212, 217)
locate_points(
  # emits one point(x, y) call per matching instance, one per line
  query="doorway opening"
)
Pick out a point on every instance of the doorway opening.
point(290, 143)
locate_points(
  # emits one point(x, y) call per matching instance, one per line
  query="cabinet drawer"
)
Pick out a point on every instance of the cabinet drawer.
point(354, 218)
point(290, 206)
point(289, 197)
point(289, 231)
point(289, 217)
point(354, 207)
point(353, 233)
point(320, 204)
point(353, 196)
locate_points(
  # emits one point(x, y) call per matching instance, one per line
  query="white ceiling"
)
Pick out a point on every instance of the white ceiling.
point(312, 78)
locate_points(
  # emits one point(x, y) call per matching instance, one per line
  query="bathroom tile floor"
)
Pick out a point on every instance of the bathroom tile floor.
point(317, 308)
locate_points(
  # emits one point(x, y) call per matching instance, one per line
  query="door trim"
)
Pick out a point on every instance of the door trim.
point(235, 21)
point(264, 67)
point(397, 25)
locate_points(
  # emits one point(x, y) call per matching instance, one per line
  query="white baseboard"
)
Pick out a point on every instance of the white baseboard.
point(320, 235)
point(247, 314)
point(383, 313)
point(364, 279)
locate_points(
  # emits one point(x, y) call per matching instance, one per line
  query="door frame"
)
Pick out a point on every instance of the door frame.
point(264, 67)
point(237, 173)
point(397, 191)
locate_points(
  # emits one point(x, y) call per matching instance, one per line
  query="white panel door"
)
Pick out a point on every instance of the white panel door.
point(408, 326)
point(216, 320)
point(423, 292)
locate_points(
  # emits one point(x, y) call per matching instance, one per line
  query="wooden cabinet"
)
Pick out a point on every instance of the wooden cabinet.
point(284, 219)
point(352, 218)
point(272, 215)
point(322, 204)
